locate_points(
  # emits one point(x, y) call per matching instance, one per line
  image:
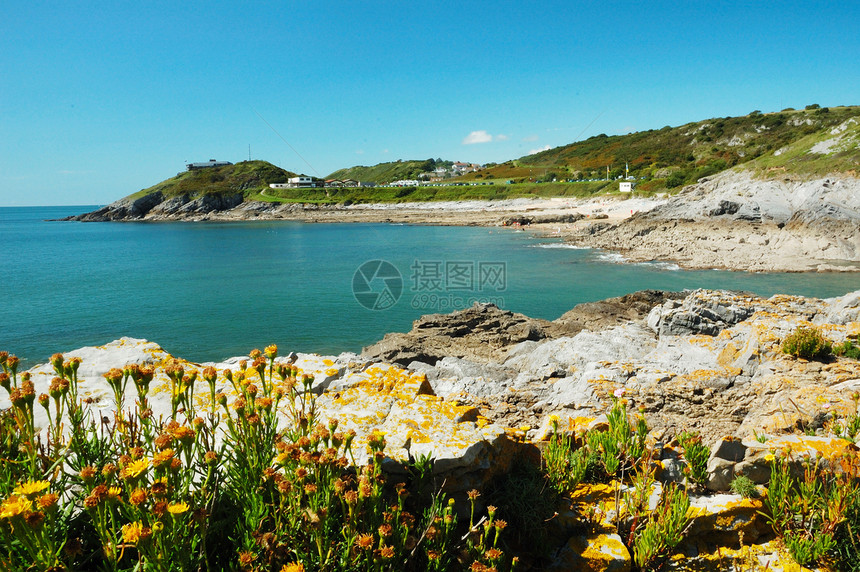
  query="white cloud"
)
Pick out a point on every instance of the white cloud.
point(360, 152)
point(502, 137)
point(477, 137)
point(544, 148)
point(530, 138)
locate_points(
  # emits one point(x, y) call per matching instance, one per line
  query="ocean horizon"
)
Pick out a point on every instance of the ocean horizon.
point(208, 291)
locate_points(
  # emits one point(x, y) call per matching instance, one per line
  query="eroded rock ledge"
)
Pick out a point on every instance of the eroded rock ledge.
point(738, 222)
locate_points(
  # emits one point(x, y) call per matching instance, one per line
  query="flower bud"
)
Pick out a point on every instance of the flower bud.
point(57, 363)
point(12, 364)
point(210, 374)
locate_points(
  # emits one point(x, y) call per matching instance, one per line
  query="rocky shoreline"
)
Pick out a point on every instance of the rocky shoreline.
point(732, 221)
point(477, 389)
point(735, 222)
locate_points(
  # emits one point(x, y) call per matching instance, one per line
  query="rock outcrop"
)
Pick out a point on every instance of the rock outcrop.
point(155, 206)
point(737, 221)
point(708, 361)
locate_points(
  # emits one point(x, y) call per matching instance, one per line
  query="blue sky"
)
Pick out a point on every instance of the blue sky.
point(99, 100)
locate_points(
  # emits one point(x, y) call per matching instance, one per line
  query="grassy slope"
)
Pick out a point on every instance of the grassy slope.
point(671, 157)
point(772, 144)
point(248, 177)
point(498, 190)
point(383, 172)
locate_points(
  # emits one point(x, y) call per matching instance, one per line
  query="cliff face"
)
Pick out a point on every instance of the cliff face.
point(739, 222)
point(156, 206)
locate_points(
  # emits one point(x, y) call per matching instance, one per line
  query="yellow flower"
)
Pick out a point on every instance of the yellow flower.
point(294, 567)
point(386, 552)
point(131, 532)
point(138, 497)
point(114, 493)
point(162, 457)
point(769, 457)
point(31, 488)
point(135, 468)
point(184, 433)
point(48, 501)
point(15, 506)
point(177, 508)
point(364, 541)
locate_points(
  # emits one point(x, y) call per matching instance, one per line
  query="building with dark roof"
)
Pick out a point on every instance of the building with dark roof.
point(210, 163)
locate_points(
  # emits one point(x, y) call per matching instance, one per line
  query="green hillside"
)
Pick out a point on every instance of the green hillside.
point(810, 142)
point(387, 172)
point(674, 156)
point(247, 177)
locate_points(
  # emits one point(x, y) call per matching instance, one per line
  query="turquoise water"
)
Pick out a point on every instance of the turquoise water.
point(206, 291)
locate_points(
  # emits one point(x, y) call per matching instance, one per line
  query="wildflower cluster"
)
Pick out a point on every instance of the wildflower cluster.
point(243, 473)
point(619, 454)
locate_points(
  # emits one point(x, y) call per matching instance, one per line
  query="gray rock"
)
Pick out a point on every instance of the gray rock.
point(721, 472)
point(729, 449)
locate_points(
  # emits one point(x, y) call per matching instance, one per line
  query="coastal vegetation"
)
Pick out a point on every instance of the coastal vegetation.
point(804, 143)
point(390, 171)
point(437, 192)
point(252, 481)
point(244, 177)
point(257, 479)
point(671, 157)
point(807, 343)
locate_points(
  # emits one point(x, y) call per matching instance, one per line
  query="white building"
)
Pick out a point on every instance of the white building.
point(303, 181)
point(625, 187)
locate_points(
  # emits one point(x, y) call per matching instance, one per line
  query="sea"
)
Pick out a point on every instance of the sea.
point(207, 291)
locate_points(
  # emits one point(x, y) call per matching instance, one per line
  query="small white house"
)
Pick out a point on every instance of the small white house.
point(625, 187)
point(303, 181)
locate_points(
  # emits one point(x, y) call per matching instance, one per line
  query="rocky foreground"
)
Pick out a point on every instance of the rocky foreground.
point(478, 390)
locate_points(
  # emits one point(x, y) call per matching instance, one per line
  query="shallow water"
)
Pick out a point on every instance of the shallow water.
point(206, 291)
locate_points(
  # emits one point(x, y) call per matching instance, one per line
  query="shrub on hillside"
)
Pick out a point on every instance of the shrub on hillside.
point(807, 343)
point(676, 179)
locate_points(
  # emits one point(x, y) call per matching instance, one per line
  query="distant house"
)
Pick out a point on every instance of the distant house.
point(343, 183)
point(303, 181)
point(461, 168)
point(625, 187)
point(209, 163)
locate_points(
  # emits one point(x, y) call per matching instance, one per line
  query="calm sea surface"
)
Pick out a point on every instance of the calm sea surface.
point(207, 291)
